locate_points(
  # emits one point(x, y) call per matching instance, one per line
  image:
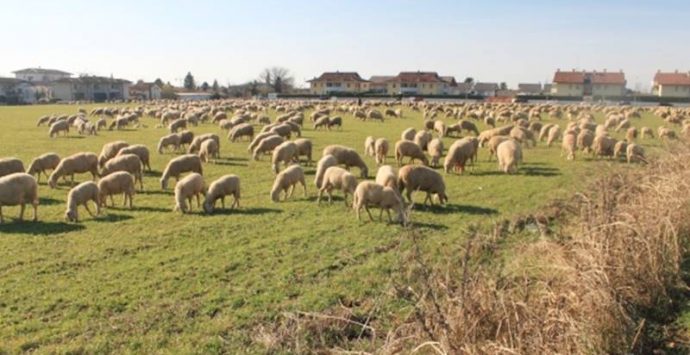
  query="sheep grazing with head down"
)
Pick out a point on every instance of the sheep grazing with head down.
point(544, 131)
point(348, 157)
point(584, 140)
point(57, 127)
point(322, 122)
point(47, 161)
point(422, 178)
point(110, 151)
point(631, 134)
point(81, 195)
point(267, 145)
point(227, 185)
point(422, 138)
point(408, 134)
point(459, 153)
point(304, 149)
point(257, 139)
point(186, 137)
point(509, 154)
point(179, 165)
point(620, 149)
point(409, 149)
point(285, 153)
point(286, 181)
point(386, 176)
point(241, 130)
point(139, 150)
point(554, 134)
point(666, 133)
point(166, 142)
point(337, 178)
point(178, 124)
point(10, 166)
point(435, 150)
point(635, 153)
point(324, 163)
point(381, 150)
point(493, 144)
point(18, 189)
point(440, 128)
point(335, 121)
point(369, 146)
point(209, 149)
point(370, 194)
point(74, 164)
point(195, 145)
point(523, 136)
point(569, 145)
point(603, 146)
point(646, 132)
point(119, 182)
point(190, 186)
point(127, 162)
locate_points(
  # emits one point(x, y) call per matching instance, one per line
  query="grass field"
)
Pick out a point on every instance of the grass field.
point(149, 279)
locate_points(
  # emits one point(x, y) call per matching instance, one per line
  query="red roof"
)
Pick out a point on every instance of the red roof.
point(579, 77)
point(417, 77)
point(680, 79)
point(569, 77)
point(339, 76)
point(608, 78)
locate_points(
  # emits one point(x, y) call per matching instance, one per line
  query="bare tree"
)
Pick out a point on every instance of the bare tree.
point(278, 78)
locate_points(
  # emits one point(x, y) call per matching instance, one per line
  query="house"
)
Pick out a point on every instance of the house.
point(378, 84)
point(145, 91)
point(530, 88)
point(16, 91)
point(464, 88)
point(675, 84)
point(39, 75)
point(90, 88)
point(581, 83)
point(485, 89)
point(417, 83)
point(338, 82)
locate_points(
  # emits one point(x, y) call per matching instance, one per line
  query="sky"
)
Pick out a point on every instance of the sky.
point(233, 41)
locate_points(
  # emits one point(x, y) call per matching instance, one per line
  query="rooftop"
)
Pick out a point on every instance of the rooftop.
point(93, 80)
point(338, 76)
point(675, 78)
point(40, 71)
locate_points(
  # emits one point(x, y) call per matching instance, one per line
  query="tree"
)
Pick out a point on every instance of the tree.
point(215, 85)
point(254, 88)
point(504, 86)
point(189, 83)
point(278, 78)
point(469, 80)
point(158, 82)
point(168, 92)
point(204, 86)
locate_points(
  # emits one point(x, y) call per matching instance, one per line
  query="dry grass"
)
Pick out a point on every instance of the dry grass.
point(578, 278)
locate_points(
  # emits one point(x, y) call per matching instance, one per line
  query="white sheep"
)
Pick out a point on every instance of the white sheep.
point(635, 152)
point(19, 189)
point(422, 178)
point(381, 150)
point(369, 143)
point(304, 148)
point(139, 150)
point(337, 178)
point(324, 163)
point(408, 134)
point(177, 125)
point(224, 186)
point(74, 164)
point(177, 166)
point(459, 153)
point(10, 166)
point(109, 151)
point(185, 189)
point(267, 145)
point(241, 130)
point(386, 176)
point(172, 139)
point(348, 157)
point(209, 149)
point(286, 181)
point(80, 195)
point(369, 194)
point(509, 154)
point(127, 162)
point(47, 161)
point(196, 142)
point(57, 127)
point(285, 153)
point(409, 149)
point(119, 182)
point(435, 150)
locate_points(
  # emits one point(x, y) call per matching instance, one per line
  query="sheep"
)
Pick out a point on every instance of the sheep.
point(544, 131)
point(459, 153)
point(408, 134)
point(109, 151)
point(620, 149)
point(381, 150)
point(631, 134)
point(10, 166)
point(196, 142)
point(57, 127)
point(119, 182)
point(42, 120)
point(241, 130)
point(172, 139)
point(440, 128)
point(179, 165)
point(177, 125)
point(186, 137)
point(348, 157)
point(185, 189)
point(139, 150)
point(335, 121)
point(286, 153)
point(554, 134)
point(646, 132)
point(267, 145)
point(321, 122)
point(284, 130)
point(523, 135)
point(369, 146)
point(223, 186)
point(101, 123)
point(74, 164)
point(386, 176)
point(634, 152)
point(603, 146)
point(509, 155)
point(80, 195)
point(304, 148)
point(429, 125)
point(127, 162)
point(369, 194)
point(584, 140)
point(469, 126)
point(119, 123)
point(569, 145)
point(493, 144)
point(375, 115)
point(409, 149)
point(665, 133)
point(337, 178)
point(324, 163)
point(19, 189)
point(422, 178)
point(422, 138)
point(209, 149)
point(286, 181)
point(47, 161)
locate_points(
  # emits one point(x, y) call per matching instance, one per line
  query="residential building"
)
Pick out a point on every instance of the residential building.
point(485, 89)
point(39, 75)
point(90, 88)
point(530, 88)
point(338, 82)
point(582, 83)
point(418, 83)
point(378, 84)
point(145, 91)
point(675, 84)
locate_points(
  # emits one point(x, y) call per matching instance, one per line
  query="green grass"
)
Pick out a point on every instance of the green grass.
point(149, 279)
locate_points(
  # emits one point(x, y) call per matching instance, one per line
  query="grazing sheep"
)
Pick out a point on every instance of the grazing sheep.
point(335, 121)
point(348, 157)
point(469, 126)
point(284, 130)
point(10, 166)
point(127, 162)
point(179, 165)
point(666, 133)
point(584, 140)
point(109, 151)
point(369, 194)
point(422, 138)
point(209, 149)
point(459, 153)
point(386, 176)
point(177, 125)
point(119, 182)
point(490, 121)
point(623, 125)
point(48, 161)
point(369, 146)
point(139, 150)
point(42, 120)
point(18, 189)
point(74, 164)
point(646, 132)
point(408, 134)
point(223, 186)
point(522, 135)
point(509, 155)
point(429, 125)
point(186, 137)
point(196, 142)
point(337, 178)
point(381, 150)
point(119, 123)
point(421, 178)
point(324, 163)
point(493, 144)
point(80, 195)
point(620, 149)
point(409, 149)
point(304, 148)
point(440, 128)
point(544, 131)
point(286, 181)
point(631, 134)
point(286, 153)
point(101, 123)
point(554, 134)
point(635, 152)
point(569, 145)
point(185, 189)
point(603, 146)
point(57, 127)
point(321, 122)
point(241, 130)
point(165, 142)
point(267, 145)
point(375, 115)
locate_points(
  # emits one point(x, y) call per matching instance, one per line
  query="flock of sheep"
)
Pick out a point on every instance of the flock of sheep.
point(120, 166)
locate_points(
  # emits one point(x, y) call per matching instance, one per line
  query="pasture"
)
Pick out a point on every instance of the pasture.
point(148, 279)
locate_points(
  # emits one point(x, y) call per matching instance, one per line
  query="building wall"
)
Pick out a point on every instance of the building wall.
point(30, 77)
point(155, 93)
point(608, 90)
point(325, 87)
point(62, 91)
point(673, 91)
point(558, 89)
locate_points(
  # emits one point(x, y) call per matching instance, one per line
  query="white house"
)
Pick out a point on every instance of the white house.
point(91, 88)
point(145, 91)
point(39, 75)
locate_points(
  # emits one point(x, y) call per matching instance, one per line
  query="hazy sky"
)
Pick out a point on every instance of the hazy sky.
point(232, 41)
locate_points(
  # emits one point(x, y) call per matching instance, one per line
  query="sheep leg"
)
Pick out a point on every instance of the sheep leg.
point(368, 212)
point(390, 219)
point(21, 211)
point(222, 202)
point(198, 203)
point(330, 196)
point(88, 209)
point(72, 181)
point(381, 214)
point(189, 202)
point(304, 186)
point(112, 201)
